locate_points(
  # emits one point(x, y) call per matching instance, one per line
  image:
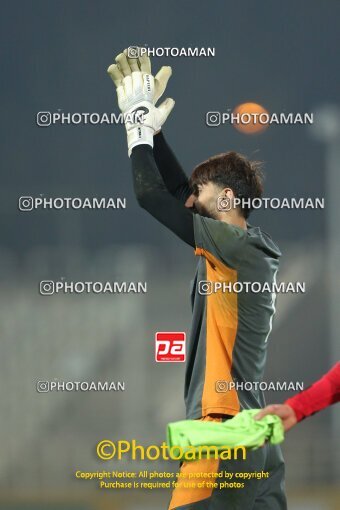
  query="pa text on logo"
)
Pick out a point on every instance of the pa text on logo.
point(170, 347)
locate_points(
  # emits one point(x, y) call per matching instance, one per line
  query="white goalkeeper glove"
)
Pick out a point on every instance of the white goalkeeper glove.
point(137, 92)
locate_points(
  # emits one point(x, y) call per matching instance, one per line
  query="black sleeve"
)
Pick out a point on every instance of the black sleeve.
point(175, 180)
point(155, 198)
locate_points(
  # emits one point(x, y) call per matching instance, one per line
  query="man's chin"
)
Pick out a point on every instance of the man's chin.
point(204, 212)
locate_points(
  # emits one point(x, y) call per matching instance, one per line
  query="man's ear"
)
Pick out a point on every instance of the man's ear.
point(227, 192)
point(190, 201)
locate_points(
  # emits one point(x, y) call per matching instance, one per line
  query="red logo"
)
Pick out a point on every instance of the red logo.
point(170, 347)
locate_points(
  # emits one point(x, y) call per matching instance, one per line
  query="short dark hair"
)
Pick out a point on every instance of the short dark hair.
point(231, 170)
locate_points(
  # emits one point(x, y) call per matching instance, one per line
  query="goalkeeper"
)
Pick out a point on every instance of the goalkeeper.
point(229, 332)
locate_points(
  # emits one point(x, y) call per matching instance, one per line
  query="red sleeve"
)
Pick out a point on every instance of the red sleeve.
point(321, 394)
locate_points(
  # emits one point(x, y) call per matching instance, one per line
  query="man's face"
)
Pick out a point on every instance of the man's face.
point(205, 203)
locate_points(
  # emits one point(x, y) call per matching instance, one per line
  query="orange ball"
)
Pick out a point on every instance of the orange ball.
point(253, 118)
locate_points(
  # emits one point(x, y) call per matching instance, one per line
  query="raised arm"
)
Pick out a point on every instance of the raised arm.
point(137, 92)
point(171, 171)
point(154, 197)
point(122, 74)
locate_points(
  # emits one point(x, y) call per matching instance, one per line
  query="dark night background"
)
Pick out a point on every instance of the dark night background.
point(283, 55)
